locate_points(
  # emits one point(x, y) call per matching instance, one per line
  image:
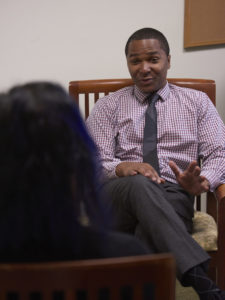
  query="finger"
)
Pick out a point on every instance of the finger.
point(203, 178)
point(132, 172)
point(162, 180)
point(148, 171)
point(153, 176)
point(191, 167)
point(204, 181)
point(206, 186)
point(174, 168)
point(197, 171)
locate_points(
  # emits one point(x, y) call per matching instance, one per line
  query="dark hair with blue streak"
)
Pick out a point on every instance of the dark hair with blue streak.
point(48, 167)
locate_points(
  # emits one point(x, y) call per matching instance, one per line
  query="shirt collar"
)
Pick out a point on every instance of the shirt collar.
point(163, 93)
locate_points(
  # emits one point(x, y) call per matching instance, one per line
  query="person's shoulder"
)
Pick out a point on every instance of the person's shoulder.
point(117, 95)
point(110, 103)
point(190, 96)
point(128, 90)
point(185, 91)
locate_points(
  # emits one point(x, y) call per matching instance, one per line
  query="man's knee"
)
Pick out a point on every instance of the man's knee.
point(128, 190)
point(137, 180)
point(127, 183)
point(141, 183)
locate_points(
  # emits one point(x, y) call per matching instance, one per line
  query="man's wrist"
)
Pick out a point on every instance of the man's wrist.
point(119, 170)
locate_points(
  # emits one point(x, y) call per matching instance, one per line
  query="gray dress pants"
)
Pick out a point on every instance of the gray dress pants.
point(159, 215)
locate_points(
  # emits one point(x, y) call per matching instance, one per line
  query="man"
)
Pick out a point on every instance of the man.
point(153, 195)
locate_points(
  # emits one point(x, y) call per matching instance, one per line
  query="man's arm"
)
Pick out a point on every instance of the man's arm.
point(211, 142)
point(100, 124)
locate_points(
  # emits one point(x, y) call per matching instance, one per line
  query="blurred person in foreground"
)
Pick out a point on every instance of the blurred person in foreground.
point(48, 173)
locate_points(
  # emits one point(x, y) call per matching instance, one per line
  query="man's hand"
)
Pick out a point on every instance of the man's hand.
point(134, 168)
point(190, 179)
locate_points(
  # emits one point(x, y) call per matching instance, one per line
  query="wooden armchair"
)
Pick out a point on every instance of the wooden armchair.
point(144, 277)
point(215, 202)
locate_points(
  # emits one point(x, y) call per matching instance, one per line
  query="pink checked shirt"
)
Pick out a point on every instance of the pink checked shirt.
point(189, 127)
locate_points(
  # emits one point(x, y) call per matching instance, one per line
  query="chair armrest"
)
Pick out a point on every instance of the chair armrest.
point(220, 195)
point(220, 192)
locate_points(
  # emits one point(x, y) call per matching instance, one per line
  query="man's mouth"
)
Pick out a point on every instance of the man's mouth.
point(146, 80)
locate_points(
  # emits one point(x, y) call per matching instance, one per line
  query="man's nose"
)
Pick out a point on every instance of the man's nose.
point(145, 67)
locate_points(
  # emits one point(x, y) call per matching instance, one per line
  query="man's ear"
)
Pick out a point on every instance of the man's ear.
point(169, 60)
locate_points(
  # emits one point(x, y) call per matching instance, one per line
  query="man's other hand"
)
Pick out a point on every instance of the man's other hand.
point(190, 179)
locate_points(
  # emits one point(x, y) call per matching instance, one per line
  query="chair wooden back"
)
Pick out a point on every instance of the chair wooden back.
point(98, 88)
point(140, 277)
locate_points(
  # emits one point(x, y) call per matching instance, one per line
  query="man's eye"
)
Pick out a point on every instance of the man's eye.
point(155, 59)
point(134, 62)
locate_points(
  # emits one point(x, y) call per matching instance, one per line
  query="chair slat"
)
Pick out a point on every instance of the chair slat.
point(96, 97)
point(86, 105)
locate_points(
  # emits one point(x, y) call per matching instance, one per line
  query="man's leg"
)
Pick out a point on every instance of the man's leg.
point(138, 200)
point(142, 207)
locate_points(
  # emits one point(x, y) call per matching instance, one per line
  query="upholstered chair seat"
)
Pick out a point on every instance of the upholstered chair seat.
point(205, 231)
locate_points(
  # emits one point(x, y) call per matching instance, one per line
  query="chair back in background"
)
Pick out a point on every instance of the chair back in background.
point(101, 87)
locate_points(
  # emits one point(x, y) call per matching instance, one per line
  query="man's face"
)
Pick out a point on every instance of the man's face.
point(148, 64)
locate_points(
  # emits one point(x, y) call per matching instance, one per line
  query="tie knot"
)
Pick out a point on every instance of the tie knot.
point(151, 99)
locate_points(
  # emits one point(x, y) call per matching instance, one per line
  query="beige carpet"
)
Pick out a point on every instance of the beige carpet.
point(185, 293)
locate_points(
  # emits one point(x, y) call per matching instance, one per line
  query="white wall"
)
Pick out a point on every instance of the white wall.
point(65, 40)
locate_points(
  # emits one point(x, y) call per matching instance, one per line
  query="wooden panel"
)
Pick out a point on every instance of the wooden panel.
point(204, 23)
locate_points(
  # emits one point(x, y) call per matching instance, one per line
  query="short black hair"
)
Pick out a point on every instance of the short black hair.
point(149, 33)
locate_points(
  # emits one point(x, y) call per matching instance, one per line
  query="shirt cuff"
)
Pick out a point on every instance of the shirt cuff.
point(109, 169)
point(214, 179)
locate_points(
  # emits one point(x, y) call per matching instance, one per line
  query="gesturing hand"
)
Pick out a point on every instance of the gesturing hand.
point(133, 168)
point(190, 179)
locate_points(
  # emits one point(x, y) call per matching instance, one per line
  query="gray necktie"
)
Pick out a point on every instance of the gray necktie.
point(150, 134)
